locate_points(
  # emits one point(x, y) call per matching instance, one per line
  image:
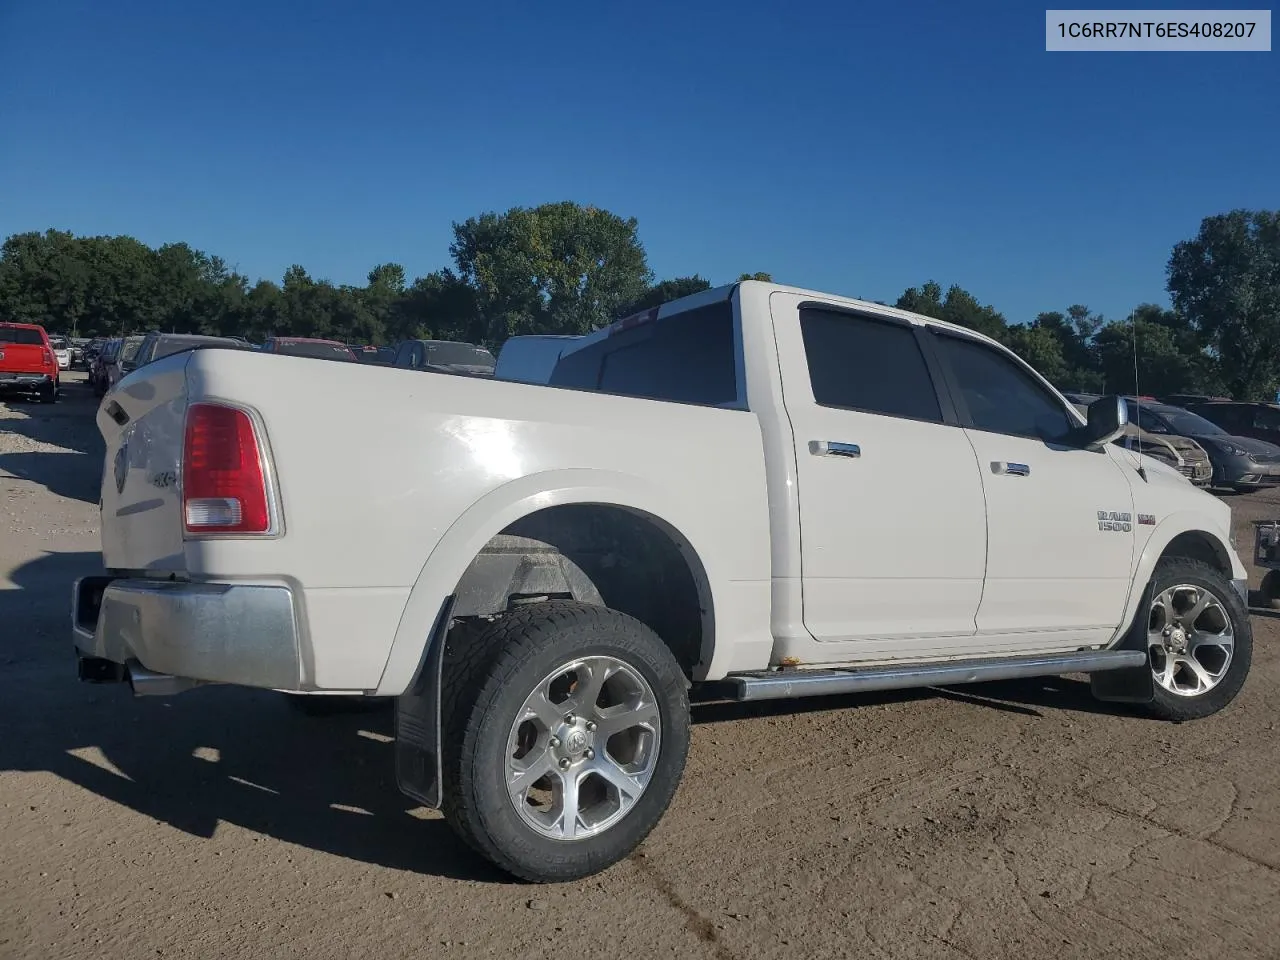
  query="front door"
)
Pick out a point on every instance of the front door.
point(891, 513)
point(1060, 518)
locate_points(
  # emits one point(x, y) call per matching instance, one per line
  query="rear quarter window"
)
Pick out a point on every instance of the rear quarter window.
point(688, 357)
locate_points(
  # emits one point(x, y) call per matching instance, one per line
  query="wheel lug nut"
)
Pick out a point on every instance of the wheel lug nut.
point(591, 726)
point(565, 763)
point(570, 718)
point(554, 741)
point(589, 754)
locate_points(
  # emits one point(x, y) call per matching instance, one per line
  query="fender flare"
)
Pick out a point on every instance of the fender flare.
point(501, 507)
point(1174, 525)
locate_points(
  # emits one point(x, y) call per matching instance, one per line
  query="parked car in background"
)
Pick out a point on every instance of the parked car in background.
point(27, 361)
point(365, 353)
point(102, 360)
point(61, 351)
point(447, 356)
point(1261, 421)
point(1240, 463)
point(531, 359)
point(1182, 453)
point(1186, 399)
point(78, 345)
point(123, 362)
point(309, 347)
point(157, 345)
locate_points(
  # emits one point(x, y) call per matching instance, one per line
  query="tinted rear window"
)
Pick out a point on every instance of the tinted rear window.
point(20, 335)
point(857, 363)
point(319, 351)
point(688, 357)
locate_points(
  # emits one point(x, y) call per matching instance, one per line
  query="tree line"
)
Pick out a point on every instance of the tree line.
point(568, 268)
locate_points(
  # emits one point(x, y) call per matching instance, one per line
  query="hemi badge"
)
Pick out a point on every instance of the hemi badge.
point(1147, 519)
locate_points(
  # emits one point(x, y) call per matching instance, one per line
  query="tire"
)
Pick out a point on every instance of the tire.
point(491, 675)
point(49, 394)
point(1178, 585)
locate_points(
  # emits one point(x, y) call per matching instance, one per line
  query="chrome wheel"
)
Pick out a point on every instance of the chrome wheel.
point(583, 748)
point(1190, 640)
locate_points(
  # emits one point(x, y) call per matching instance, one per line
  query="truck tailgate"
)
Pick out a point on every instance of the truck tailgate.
point(22, 358)
point(142, 421)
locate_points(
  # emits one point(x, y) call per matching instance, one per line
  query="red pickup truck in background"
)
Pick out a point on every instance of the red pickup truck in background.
point(27, 363)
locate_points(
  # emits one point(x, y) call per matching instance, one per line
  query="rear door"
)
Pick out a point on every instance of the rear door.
point(892, 519)
point(1059, 517)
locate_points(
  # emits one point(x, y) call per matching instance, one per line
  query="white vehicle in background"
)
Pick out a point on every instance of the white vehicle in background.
point(531, 359)
point(769, 491)
point(61, 351)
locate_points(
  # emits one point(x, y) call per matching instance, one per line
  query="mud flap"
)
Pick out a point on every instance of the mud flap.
point(418, 763)
point(1130, 684)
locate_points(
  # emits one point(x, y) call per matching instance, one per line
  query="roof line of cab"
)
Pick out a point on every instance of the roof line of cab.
point(726, 291)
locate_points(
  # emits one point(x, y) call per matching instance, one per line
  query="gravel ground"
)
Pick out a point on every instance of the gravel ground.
point(1018, 820)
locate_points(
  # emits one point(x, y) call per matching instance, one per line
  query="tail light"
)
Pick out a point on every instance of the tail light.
point(224, 482)
point(46, 356)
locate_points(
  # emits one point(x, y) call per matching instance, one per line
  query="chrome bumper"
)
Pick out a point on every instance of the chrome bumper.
point(212, 632)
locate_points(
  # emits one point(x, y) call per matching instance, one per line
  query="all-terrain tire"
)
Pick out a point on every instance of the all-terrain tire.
point(1167, 705)
point(489, 672)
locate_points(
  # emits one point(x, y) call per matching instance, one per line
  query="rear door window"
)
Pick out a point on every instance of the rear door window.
point(875, 366)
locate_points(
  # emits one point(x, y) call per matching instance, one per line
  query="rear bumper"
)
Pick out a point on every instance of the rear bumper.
point(212, 632)
point(25, 381)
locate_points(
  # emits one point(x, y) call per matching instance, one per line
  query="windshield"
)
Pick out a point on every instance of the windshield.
point(1181, 422)
point(129, 349)
point(460, 354)
point(20, 335)
point(320, 350)
point(57, 343)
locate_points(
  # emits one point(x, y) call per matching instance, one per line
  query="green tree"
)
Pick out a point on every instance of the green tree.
point(1226, 282)
point(556, 268)
point(958, 307)
point(1166, 361)
point(667, 290)
point(767, 278)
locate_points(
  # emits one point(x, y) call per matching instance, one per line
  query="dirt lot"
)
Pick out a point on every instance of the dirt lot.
point(1013, 820)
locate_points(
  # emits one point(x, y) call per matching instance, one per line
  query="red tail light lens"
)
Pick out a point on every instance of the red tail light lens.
point(224, 489)
point(46, 355)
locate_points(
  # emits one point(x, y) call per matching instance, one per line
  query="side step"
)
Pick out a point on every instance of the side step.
point(784, 684)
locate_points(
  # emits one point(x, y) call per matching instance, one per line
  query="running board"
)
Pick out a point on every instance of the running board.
point(784, 684)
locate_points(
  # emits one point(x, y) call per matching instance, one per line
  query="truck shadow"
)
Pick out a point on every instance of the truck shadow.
point(70, 475)
point(73, 469)
point(212, 755)
point(245, 757)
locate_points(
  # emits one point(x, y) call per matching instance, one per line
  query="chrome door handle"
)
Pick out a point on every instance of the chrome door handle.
point(1008, 469)
point(834, 448)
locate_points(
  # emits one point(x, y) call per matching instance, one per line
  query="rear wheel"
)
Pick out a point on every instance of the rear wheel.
point(566, 728)
point(1199, 640)
point(48, 393)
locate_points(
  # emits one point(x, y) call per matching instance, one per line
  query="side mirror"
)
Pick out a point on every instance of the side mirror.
point(1107, 419)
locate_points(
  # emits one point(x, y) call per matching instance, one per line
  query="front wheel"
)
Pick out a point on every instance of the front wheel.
point(1199, 640)
point(566, 728)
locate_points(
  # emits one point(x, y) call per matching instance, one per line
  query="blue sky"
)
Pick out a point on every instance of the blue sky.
point(857, 148)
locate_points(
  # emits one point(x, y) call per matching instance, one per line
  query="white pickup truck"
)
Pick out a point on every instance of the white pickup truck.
point(769, 491)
